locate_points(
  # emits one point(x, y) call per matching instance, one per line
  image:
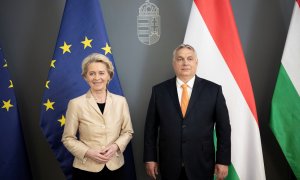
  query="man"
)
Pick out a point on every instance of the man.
point(184, 111)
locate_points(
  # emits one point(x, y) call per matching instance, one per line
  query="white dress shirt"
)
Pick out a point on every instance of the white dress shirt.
point(190, 84)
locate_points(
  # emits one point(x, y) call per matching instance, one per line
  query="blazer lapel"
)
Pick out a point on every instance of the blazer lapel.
point(108, 103)
point(198, 85)
point(174, 96)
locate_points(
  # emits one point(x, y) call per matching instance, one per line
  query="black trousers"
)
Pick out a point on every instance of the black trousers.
point(183, 174)
point(105, 173)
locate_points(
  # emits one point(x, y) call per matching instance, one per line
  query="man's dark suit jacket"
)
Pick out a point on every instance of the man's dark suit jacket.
point(187, 141)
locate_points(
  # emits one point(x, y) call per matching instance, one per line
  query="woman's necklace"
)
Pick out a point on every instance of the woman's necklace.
point(99, 99)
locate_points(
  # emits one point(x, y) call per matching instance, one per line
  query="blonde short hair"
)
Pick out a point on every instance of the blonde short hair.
point(181, 46)
point(96, 57)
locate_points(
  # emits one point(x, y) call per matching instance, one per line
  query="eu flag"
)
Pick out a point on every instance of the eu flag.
point(82, 32)
point(14, 164)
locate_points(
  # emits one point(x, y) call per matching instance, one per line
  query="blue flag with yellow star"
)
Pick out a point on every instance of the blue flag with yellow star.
point(14, 163)
point(82, 32)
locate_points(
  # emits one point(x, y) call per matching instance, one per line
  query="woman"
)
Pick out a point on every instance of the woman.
point(102, 121)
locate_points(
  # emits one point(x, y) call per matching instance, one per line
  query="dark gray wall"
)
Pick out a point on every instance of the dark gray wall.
point(28, 31)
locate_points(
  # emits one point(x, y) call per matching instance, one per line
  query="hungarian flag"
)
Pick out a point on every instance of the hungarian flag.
point(212, 31)
point(285, 111)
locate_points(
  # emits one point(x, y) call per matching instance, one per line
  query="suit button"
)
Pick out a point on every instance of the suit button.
point(183, 126)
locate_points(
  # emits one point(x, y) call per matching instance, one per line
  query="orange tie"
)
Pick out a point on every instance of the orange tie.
point(184, 99)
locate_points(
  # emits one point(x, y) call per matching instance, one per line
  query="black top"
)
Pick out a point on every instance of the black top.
point(101, 106)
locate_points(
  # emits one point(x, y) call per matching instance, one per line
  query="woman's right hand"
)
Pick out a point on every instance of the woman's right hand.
point(97, 155)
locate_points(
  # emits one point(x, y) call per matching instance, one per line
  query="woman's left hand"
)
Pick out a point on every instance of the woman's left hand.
point(110, 151)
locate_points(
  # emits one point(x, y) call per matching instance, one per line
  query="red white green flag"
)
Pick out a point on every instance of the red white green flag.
point(212, 31)
point(285, 111)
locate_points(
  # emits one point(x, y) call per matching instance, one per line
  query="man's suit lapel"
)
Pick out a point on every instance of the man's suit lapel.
point(198, 85)
point(174, 96)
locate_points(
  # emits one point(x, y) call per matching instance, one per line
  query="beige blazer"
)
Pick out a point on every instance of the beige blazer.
point(97, 130)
